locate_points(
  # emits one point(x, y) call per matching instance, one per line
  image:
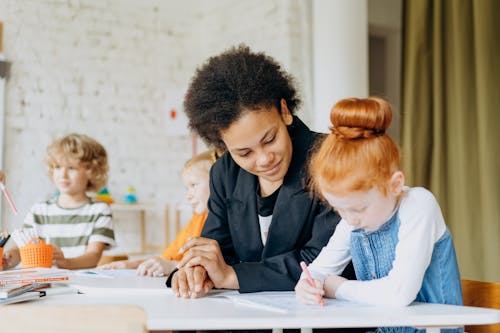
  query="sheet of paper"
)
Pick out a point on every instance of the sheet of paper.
point(97, 273)
point(15, 289)
point(119, 281)
point(278, 301)
point(21, 298)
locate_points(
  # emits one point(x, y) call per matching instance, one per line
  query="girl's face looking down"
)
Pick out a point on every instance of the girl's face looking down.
point(368, 209)
point(260, 144)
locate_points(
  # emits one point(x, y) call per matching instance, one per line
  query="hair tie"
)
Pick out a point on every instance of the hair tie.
point(351, 133)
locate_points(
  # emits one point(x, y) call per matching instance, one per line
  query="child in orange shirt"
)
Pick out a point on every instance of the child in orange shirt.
point(195, 177)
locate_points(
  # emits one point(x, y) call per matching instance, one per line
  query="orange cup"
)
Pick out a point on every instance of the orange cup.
point(36, 254)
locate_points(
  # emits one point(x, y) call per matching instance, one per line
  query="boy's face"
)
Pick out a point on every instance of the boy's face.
point(70, 176)
point(196, 181)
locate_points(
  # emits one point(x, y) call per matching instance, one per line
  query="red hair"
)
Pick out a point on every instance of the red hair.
point(357, 155)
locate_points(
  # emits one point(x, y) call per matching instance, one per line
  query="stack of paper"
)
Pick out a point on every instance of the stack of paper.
point(33, 275)
point(37, 291)
point(20, 298)
point(12, 290)
point(25, 284)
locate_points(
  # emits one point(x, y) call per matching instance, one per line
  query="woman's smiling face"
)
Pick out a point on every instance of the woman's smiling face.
point(259, 143)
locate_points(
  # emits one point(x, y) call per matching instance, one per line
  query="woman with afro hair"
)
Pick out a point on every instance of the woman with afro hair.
point(262, 221)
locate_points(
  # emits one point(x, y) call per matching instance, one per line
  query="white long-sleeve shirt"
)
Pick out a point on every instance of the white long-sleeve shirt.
point(421, 226)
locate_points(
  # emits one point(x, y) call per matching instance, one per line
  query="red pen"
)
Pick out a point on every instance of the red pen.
point(303, 265)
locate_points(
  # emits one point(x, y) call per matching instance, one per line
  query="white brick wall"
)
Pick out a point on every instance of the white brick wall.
point(105, 68)
point(279, 28)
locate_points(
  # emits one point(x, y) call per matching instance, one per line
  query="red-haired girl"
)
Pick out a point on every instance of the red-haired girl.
point(396, 237)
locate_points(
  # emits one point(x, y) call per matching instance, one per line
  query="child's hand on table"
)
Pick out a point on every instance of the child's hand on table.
point(10, 259)
point(121, 264)
point(332, 283)
point(59, 260)
point(156, 267)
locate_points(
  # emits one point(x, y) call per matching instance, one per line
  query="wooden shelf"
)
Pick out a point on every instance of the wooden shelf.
point(141, 209)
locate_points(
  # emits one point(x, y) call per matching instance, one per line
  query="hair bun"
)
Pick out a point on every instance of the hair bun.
point(360, 118)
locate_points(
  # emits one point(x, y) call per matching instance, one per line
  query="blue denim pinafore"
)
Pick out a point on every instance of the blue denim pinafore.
point(373, 254)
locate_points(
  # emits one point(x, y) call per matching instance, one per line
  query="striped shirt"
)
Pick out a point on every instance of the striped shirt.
point(72, 229)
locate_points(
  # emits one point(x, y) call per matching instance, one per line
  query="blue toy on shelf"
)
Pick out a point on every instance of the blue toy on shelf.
point(130, 197)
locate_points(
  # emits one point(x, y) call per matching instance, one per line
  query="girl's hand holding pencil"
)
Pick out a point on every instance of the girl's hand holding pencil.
point(309, 291)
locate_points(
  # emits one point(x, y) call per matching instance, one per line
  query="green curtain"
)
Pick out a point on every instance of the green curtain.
point(451, 121)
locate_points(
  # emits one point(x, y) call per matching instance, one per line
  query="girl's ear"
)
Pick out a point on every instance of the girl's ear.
point(285, 113)
point(396, 183)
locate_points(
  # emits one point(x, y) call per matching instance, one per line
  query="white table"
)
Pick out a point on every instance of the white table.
point(165, 312)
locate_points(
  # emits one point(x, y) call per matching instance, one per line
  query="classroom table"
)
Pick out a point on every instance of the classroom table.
point(166, 312)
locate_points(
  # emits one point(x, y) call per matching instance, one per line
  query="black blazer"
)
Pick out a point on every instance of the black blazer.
point(301, 224)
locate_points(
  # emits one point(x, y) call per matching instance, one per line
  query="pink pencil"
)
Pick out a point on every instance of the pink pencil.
point(9, 199)
point(309, 278)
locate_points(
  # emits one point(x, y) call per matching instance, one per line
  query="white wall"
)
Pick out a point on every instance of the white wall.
point(340, 55)
point(106, 68)
point(280, 28)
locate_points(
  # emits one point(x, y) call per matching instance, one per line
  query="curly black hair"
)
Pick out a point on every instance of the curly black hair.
point(234, 82)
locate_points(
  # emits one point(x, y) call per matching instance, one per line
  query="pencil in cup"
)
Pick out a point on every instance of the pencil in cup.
point(36, 253)
point(24, 235)
point(310, 280)
point(3, 241)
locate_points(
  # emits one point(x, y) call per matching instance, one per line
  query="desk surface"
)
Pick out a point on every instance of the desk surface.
point(166, 312)
point(121, 282)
